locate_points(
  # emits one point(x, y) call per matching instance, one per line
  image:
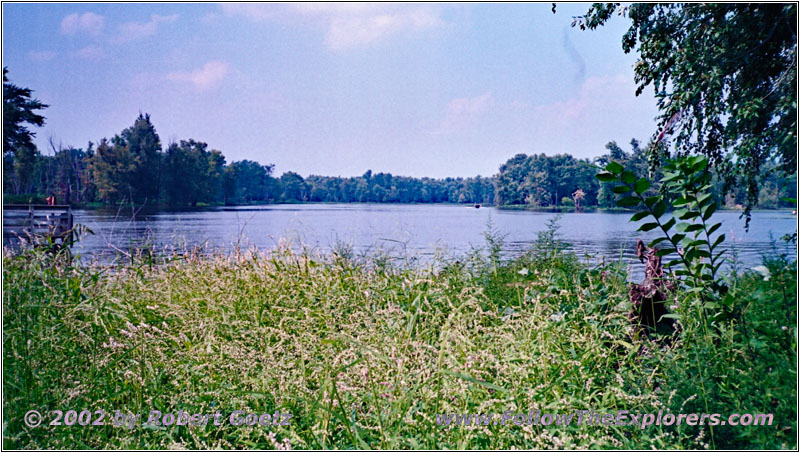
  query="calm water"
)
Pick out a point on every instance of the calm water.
point(401, 230)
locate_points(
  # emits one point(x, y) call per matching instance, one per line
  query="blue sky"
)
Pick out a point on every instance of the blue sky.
point(333, 89)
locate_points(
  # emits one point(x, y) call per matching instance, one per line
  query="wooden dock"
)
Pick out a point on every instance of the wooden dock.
point(36, 223)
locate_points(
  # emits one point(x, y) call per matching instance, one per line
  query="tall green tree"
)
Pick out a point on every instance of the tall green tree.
point(19, 112)
point(143, 142)
point(725, 78)
point(113, 167)
point(294, 187)
point(193, 174)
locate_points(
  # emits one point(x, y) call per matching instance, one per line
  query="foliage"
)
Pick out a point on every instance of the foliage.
point(389, 188)
point(19, 109)
point(193, 173)
point(19, 152)
point(685, 195)
point(246, 181)
point(635, 161)
point(724, 75)
point(542, 180)
point(113, 170)
point(745, 365)
point(144, 144)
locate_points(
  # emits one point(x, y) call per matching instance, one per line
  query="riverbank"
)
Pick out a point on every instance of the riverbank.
point(365, 354)
point(40, 199)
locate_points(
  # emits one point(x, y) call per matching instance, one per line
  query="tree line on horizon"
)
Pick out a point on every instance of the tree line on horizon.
point(132, 167)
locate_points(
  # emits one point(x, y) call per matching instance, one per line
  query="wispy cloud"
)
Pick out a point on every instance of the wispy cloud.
point(463, 113)
point(90, 52)
point(348, 25)
point(353, 31)
point(131, 31)
point(41, 56)
point(591, 104)
point(253, 11)
point(89, 23)
point(209, 76)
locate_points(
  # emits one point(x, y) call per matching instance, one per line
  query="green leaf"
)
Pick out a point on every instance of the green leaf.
point(641, 186)
point(615, 168)
point(678, 237)
point(675, 263)
point(606, 177)
point(621, 189)
point(639, 216)
point(669, 224)
point(714, 228)
point(659, 208)
point(700, 163)
point(702, 199)
point(688, 215)
point(656, 241)
point(680, 201)
point(650, 201)
point(718, 241)
point(628, 177)
point(686, 227)
point(709, 211)
point(670, 177)
point(648, 226)
point(665, 252)
point(628, 201)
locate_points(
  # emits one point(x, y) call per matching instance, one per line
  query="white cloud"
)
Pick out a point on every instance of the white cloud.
point(209, 76)
point(463, 113)
point(75, 23)
point(41, 56)
point(594, 100)
point(347, 25)
point(253, 11)
point(131, 31)
point(352, 31)
point(604, 109)
point(90, 53)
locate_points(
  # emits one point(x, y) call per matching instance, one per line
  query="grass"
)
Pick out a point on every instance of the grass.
point(365, 354)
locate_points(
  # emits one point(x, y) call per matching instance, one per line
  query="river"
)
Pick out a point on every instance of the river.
point(421, 231)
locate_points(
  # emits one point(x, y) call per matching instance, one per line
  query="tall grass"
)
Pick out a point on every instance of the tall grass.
point(364, 354)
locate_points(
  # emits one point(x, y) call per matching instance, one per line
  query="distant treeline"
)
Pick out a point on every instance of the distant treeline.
point(133, 167)
point(562, 180)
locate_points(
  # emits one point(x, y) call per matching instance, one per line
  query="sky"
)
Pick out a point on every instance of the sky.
point(333, 89)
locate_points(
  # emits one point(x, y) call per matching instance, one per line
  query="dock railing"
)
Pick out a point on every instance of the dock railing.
point(34, 223)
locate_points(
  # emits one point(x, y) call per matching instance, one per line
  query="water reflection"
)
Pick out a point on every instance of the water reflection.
point(421, 230)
